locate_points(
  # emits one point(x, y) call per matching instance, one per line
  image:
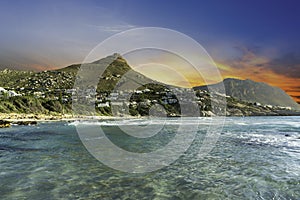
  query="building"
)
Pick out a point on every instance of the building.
point(102, 105)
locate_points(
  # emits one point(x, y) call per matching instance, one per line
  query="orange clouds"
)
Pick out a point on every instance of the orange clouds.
point(248, 66)
point(175, 71)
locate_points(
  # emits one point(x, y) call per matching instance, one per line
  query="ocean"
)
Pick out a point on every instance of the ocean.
point(253, 158)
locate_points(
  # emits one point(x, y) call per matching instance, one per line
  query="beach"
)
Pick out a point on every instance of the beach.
point(6, 119)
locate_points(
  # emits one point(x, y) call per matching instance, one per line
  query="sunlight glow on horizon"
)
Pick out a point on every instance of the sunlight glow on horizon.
point(247, 72)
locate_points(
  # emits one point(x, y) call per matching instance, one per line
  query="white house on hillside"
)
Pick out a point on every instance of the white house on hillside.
point(2, 90)
point(10, 93)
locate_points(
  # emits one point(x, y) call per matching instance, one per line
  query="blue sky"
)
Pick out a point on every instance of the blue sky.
point(71, 28)
point(256, 36)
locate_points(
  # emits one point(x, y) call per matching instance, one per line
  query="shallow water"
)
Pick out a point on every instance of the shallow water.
point(254, 158)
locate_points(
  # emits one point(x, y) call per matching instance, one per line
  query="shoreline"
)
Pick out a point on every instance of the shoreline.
point(20, 117)
point(7, 120)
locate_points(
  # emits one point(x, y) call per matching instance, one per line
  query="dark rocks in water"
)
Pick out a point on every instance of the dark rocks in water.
point(287, 135)
point(25, 123)
point(4, 124)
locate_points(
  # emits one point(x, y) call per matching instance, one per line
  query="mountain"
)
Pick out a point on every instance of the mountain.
point(52, 92)
point(250, 91)
point(64, 78)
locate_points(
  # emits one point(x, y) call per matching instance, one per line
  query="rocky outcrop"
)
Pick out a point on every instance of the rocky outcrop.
point(25, 123)
point(4, 124)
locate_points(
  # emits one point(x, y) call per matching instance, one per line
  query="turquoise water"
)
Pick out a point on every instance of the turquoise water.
point(254, 158)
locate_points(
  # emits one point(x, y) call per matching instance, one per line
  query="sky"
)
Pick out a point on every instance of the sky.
point(256, 39)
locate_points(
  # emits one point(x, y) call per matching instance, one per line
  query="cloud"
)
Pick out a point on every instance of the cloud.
point(249, 57)
point(288, 65)
point(113, 28)
point(297, 98)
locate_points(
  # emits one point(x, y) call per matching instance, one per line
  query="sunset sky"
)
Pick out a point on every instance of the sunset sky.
point(257, 39)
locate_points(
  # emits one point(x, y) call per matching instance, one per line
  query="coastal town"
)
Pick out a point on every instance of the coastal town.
point(52, 95)
point(140, 100)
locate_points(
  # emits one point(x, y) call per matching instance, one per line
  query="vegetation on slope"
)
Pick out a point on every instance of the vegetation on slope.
point(50, 92)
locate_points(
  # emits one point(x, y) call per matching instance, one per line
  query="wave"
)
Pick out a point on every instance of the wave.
point(145, 122)
point(278, 139)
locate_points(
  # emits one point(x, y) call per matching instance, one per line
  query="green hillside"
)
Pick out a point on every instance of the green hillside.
point(120, 88)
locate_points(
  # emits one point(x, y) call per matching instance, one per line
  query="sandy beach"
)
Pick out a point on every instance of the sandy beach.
point(17, 117)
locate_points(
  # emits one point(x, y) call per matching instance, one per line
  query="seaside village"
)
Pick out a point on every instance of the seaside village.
point(140, 99)
point(131, 98)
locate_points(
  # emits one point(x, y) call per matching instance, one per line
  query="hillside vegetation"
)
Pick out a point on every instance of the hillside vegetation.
point(121, 88)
